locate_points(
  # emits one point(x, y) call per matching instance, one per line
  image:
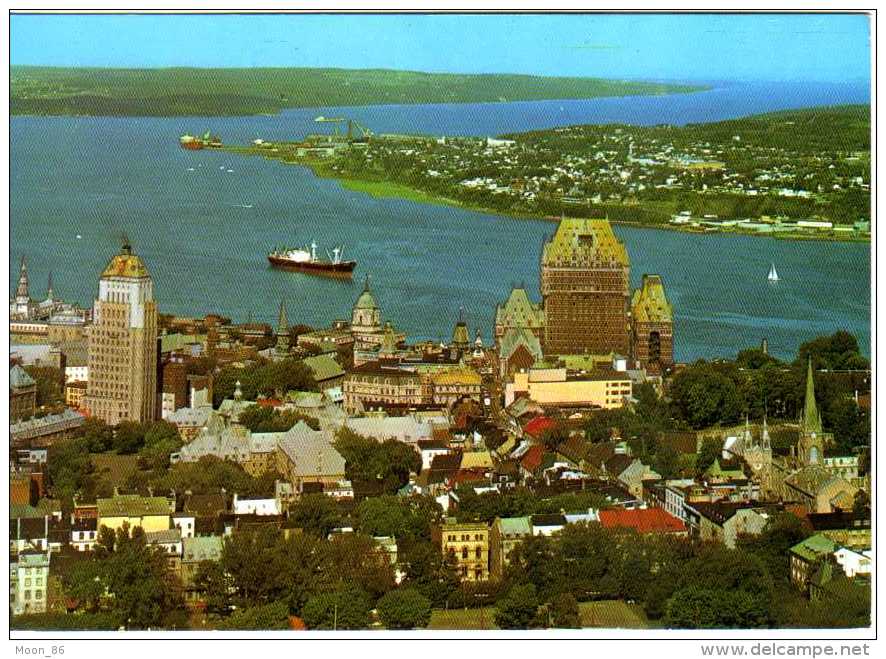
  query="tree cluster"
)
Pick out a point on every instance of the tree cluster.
point(266, 419)
point(382, 467)
point(126, 580)
point(264, 378)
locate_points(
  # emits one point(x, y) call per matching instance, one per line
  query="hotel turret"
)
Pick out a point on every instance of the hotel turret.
point(652, 324)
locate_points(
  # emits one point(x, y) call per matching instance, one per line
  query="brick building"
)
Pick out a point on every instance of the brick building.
point(585, 279)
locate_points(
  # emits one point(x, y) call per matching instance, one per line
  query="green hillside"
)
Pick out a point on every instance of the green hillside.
point(229, 92)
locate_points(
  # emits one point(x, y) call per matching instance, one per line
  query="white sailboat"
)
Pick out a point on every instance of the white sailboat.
point(773, 275)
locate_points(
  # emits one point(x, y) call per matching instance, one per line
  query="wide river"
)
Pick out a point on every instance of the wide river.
point(203, 221)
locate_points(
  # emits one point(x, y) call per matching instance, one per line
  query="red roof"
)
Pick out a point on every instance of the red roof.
point(269, 402)
point(649, 520)
point(532, 458)
point(465, 476)
point(538, 425)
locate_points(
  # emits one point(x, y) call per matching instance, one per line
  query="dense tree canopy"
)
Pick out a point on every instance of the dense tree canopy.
point(126, 578)
point(404, 608)
point(266, 419)
point(384, 466)
point(263, 378)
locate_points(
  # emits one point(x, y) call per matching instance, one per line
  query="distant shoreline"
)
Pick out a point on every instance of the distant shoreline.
point(394, 190)
point(177, 92)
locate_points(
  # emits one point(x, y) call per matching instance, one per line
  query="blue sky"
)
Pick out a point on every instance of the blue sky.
point(685, 47)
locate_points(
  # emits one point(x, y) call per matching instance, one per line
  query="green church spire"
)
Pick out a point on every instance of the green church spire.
point(811, 421)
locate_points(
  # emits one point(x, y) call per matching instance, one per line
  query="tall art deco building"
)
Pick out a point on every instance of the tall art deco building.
point(123, 343)
point(585, 288)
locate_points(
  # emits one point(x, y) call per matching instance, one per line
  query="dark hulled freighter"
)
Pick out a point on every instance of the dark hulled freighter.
point(305, 259)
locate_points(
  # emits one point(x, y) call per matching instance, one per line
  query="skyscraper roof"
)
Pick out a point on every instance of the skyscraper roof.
point(126, 264)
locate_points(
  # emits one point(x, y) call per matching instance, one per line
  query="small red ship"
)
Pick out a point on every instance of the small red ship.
point(305, 259)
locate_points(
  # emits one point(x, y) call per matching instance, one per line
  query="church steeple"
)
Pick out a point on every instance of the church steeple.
point(50, 295)
point(21, 292)
point(811, 420)
point(282, 346)
point(765, 442)
point(810, 447)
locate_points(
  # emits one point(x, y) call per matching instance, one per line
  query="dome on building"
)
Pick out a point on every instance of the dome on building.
point(366, 299)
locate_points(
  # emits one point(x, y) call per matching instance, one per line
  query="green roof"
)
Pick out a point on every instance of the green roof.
point(515, 525)
point(173, 342)
point(519, 311)
point(19, 378)
point(366, 299)
point(716, 470)
point(812, 548)
point(31, 559)
point(132, 505)
point(584, 243)
point(513, 338)
point(650, 304)
point(206, 548)
point(323, 367)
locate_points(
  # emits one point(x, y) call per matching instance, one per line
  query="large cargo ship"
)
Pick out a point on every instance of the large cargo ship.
point(305, 259)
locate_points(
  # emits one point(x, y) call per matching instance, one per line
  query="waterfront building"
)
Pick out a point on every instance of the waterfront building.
point(585, 289)
point(652, 325)
point(123, 343)
point(50, 316)
point(334, 339)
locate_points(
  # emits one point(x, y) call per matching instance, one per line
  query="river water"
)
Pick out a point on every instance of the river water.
point(204, 230)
